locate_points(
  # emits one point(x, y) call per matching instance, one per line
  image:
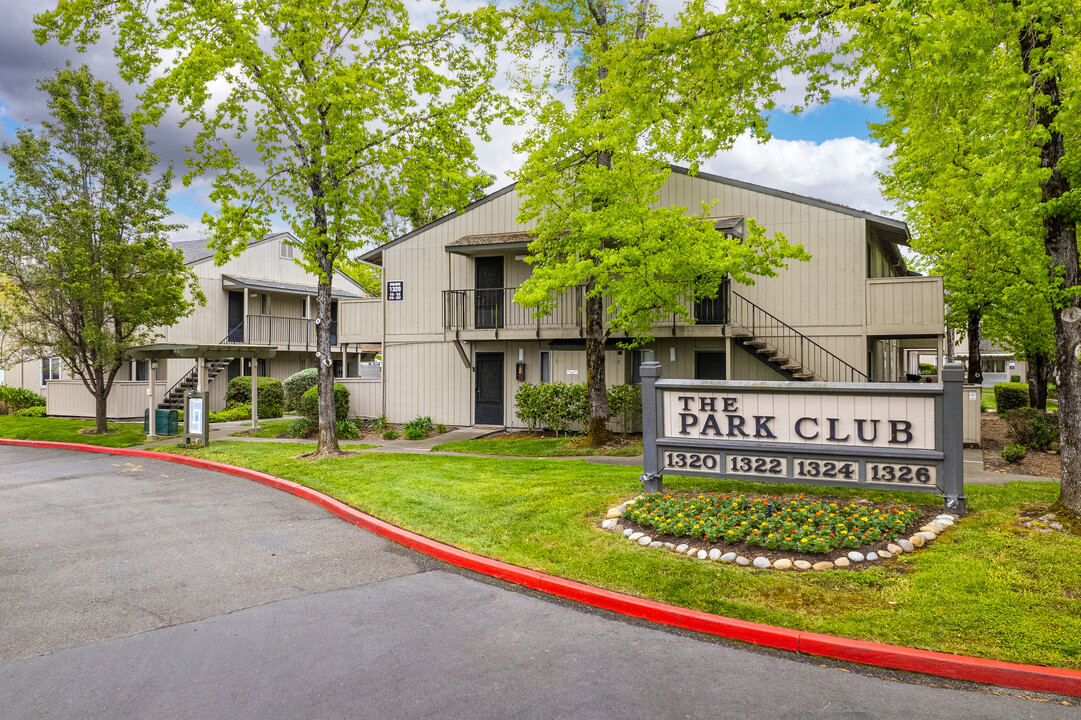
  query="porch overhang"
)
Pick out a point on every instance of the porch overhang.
point(237, 282)
point(225, 351)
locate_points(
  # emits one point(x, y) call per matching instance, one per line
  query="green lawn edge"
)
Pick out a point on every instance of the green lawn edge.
point(66, 430)
point(988, 588)
point(533, 447)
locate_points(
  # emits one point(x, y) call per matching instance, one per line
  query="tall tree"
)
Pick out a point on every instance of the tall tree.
point(608, 119)
point(83, 244)
point(1011, 65)
point(348, 107)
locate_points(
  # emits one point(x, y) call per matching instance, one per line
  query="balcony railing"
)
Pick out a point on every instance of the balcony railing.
point(285, 332)
point(495, 309)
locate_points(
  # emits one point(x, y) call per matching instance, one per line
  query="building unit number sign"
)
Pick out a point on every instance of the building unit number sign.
point(799, 468)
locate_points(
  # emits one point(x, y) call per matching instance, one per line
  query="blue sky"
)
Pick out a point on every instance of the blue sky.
point(825, 152)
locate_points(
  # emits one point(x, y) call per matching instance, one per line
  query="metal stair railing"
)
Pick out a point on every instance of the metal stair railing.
point(791, 343)
point(191, 373)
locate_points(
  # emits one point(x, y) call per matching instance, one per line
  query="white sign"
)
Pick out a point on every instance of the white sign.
point(806, 419)
point(195, 422)
point(572, 372)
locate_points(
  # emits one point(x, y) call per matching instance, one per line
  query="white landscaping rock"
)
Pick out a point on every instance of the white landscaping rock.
point(634, 536)
point(884, 554)
point(656, 544)
point(728, 557)
point(906, 545)
point(761, 562)
point(872, 556)
point(740, 560)
point(609, 523)
point(682, 547)
point(644, 540)
point(714, 554)
point(802, 565)
point(855, 556)
point(895, 548)
point(627, 532)
point(927, 535)
point(702, 554)
point(614, 512)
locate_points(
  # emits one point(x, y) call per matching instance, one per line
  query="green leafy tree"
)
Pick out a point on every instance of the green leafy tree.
point(1007, 71)
point(88, 268)
point(351, 109)
point(608, 119)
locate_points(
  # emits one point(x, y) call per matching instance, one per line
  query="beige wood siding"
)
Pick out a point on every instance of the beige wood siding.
point(360, 321)
point(905, 306)
point(365, 397)
point(427, 379)
point(127, 400)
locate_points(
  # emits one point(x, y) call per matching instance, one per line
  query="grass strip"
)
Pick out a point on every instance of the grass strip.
point(988, 588)
point(534, 447)
point(67, 430)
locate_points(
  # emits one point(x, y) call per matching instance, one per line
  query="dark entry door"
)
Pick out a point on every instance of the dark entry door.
point(709, 366)
point(236, 317)
point(334, 324)
point(488, 300)
point(489, 393)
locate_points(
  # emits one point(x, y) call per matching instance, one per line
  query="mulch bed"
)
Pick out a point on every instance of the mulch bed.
point(927, 514)
point(993, 439)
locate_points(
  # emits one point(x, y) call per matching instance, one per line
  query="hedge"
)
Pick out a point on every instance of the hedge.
point(271, 397)
point(297, 384)
point(14, 399)
point(309, 404)
point(1010, 396)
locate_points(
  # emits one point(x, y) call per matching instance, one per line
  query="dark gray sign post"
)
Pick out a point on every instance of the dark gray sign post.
point(197, 418)
point(882, 436)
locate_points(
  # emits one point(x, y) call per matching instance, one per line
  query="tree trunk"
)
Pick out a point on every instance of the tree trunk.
point(1039, 374)
point(101, 401)
point(950, 350)
point(596, 385)
point(975, 362)
point(1060, 240)
point(328, 421)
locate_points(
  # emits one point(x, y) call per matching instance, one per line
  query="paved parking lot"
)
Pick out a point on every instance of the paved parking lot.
point(137, 588)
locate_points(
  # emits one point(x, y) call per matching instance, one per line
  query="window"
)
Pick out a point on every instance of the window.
point(140, 370)
point(286, 250)
point(337, 367)
point(260, 367)
point(50, 369)
point(545, 366)
point(637, 358)
point(264, 304)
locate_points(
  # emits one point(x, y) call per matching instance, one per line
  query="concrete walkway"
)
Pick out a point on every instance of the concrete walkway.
point(975, 473)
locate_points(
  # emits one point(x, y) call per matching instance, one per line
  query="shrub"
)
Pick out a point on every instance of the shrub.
point(417, 428)
point(309, 403)
point(379, 424)
point(1033, 428)
point(1052, 390)
point(296, 385)
point(35, 411)
point(1015, 378)
point(271, 397)
point(1010, 396)
point(626, 402)
point(440, 428)
point(390, 435)
point(927, 369)
point(301, 427)
point(1013, 452)
point(19, 398)
point(554, 405)
point(231, 414)
point(347, 430)
point(529, 404)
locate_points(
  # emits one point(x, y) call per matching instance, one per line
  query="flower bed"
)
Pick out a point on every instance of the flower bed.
point(799, 525)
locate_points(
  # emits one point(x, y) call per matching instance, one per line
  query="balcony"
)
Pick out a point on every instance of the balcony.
point(286, 333)
point(904, 307)
point(489, 313)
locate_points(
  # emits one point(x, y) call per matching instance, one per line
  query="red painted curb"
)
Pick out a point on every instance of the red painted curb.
point(960, 667)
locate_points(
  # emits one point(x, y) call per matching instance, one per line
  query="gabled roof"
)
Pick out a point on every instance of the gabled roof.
point(233, 282)
point(196, 251)
point(896, 230)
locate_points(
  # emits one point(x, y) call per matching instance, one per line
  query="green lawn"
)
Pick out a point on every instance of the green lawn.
point(268, 428)
point(987, 588)
point(987, 402)
point(67, 430)
point(532, 447)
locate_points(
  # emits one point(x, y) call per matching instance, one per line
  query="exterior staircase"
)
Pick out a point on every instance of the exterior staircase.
point(782, 347)
point(174, 399)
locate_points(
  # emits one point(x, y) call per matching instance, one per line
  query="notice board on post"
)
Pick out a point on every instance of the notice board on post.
point(883, 436)
point(196, 418)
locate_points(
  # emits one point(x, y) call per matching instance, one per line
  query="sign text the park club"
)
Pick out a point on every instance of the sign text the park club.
point(876, 435)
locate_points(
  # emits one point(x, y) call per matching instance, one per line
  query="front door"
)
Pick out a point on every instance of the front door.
point(488, 300)
point(489, 392)
point(333, 322)
point(236, 317)
point(709, 366)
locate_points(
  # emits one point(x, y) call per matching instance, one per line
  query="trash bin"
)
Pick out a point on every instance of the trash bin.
point(165, 422)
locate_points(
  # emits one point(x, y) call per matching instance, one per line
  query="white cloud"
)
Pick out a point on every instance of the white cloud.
point(841, 170)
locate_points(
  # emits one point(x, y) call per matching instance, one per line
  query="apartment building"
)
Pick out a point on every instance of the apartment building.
point(456, 346)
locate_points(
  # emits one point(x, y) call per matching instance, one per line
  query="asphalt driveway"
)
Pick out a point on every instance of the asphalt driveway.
point(136, 588)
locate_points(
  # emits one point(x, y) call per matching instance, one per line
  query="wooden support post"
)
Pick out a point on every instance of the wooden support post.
point(254, 396)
